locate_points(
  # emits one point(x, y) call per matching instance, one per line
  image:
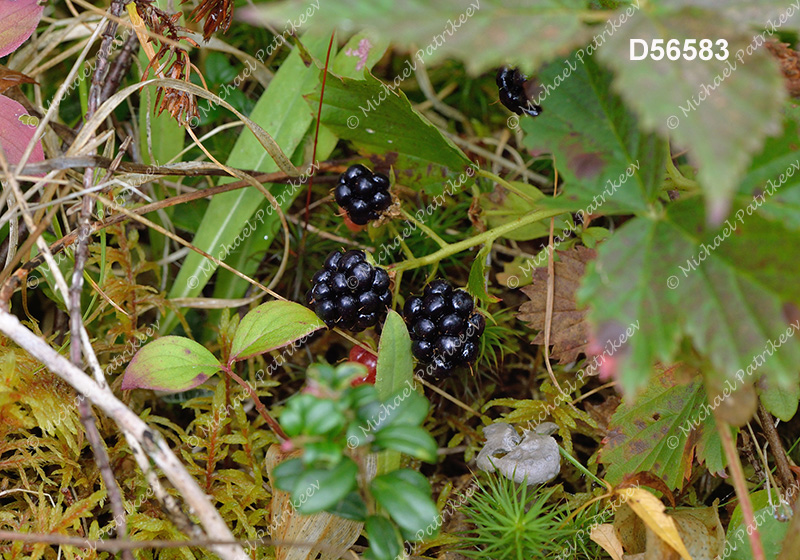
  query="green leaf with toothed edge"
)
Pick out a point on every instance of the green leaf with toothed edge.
point(171, 363)
point(700, 102)
point(730, 301)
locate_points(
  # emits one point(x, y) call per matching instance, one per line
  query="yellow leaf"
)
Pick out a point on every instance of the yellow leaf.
point(651, 510)
point(606, 536)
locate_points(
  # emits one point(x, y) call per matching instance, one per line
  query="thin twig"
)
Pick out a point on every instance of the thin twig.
point(785, 476)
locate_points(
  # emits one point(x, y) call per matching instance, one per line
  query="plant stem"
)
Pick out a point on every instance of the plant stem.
point(432, 234)
point(681, 182)
point(583, 469)
point(470, 242)
point(505, 184)
point(406, 250)
point(259, 405)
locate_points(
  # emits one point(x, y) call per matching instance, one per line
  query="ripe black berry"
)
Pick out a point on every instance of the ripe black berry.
point(364, 195)
point(444, 327)
point(349, 292)
point(512, 92)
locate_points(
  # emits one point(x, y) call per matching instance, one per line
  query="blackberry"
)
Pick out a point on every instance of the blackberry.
point(349, 292)
point(364, 195)
point(512, 92)
point(445, 329)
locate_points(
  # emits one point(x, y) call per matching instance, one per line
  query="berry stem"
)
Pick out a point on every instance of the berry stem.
point(405, 248)
point(470, 242)
point(505, 184)
point(430, 233)
point(276, 428)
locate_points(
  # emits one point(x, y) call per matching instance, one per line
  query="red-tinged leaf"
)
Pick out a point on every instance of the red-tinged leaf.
point(18, 19)
point(16, 131)
point(662, 431)
point(11, 78)
point(171, 363)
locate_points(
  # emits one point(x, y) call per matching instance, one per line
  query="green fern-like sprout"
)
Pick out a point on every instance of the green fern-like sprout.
point(513, 522)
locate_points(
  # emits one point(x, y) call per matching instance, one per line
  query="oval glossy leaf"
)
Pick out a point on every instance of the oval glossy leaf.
point(16, 131)
point(320, 489)
point(272, 325)
point(384, 542)
point(171, 363)
point(411, 440)
point(395, 367)
point(19, 18)
point(410, 507)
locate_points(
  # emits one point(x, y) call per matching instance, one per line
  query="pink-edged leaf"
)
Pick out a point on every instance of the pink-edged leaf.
point(16, 130)
point(272, 325)
point(171, 363)
point(18, 19)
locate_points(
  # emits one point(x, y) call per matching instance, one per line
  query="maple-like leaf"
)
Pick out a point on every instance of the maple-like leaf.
point(569, 331)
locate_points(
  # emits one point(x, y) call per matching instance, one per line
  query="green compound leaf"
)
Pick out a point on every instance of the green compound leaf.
point(607, 164)
point(272, 325)
point(171, 363)
point(406, 496)
point(661, 431)
point(475, 31)
point(382, 124)
point(721, 111)
point(725, 289)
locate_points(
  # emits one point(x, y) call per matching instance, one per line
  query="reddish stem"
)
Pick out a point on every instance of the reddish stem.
point(259, 405)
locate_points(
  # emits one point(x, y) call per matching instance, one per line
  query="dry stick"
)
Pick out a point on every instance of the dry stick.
point(155, 445)
point(785, 475)
point(551, 290)
point(120, 68)
point(740, 485)
point(76, 290)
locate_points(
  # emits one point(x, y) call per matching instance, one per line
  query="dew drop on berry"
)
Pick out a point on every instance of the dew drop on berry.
point(412, 308)
point(381, 280)
point(332, 260)
point(424, 329)
point(422, 350)
point(452, 324)
point(462, 302)
point(434, 305)
point(438, 287)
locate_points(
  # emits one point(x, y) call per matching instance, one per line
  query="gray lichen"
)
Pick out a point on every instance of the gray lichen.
point(534, 458)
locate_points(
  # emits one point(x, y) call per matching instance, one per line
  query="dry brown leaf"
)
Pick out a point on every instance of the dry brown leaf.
point(11, 78)
point(569, 331)
point(789, 60)
point(606, 536)
point(651, 510)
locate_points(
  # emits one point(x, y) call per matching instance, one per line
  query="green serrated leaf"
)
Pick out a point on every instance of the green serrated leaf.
point(272, 325)
point(699, 102)
point(395, 367)
point(475, 31)
point(659, 432)
point(382, 124)
point(609, 166)
point(724, 289)
point(171, 363)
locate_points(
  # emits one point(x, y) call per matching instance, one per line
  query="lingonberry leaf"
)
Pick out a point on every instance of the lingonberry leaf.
point(382, 124)
point(408, 503)
point(19, 19)
point(661, 431)
point(608, 165)
point(414, 441)
point(324, 488)
point(395, 367)
point(475, 31)
point(724, 289)
point(697, 102)
point(171, 363)
point(384, 540)
point(272, 325)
